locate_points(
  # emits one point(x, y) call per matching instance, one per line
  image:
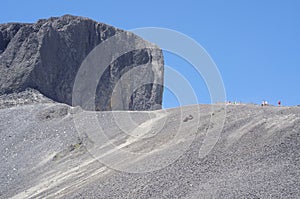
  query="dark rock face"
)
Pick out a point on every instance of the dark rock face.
point(46, 56)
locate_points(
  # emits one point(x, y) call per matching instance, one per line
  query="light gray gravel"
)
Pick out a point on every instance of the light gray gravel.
point(44, 156)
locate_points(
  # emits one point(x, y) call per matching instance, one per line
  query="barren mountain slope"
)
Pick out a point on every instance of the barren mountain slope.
point(52, 150)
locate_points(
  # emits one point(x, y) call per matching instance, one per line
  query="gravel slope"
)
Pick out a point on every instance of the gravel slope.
point(51, 150)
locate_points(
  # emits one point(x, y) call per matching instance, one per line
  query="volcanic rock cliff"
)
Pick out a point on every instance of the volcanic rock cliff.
point(47, 56)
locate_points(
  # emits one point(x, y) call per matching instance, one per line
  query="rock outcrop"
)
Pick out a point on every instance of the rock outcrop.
point(47, 56)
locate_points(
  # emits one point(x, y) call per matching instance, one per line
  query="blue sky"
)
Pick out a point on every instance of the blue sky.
point(255, 44)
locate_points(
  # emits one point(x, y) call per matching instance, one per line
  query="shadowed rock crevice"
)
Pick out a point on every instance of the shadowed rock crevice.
point(7, 33)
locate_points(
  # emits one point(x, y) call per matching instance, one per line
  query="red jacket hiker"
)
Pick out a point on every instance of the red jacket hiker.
point(279, 103)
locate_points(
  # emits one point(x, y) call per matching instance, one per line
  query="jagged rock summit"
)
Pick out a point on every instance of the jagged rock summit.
point(47, 56)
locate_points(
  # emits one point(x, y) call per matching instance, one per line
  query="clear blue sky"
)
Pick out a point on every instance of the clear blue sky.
point(255, 44)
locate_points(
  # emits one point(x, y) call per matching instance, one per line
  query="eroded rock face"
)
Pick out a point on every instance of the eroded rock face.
point(47, 55)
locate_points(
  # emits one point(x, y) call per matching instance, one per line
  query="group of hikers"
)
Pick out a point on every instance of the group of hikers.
point(235, 103)
point(265, 103)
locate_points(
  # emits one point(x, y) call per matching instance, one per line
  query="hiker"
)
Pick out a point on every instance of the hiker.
point(279, 103)
point(264, 103)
